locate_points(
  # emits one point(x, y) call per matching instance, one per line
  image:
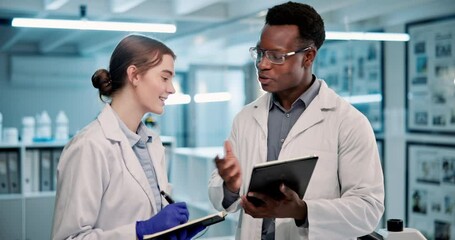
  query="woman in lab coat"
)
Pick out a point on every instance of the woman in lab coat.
point(111, 173)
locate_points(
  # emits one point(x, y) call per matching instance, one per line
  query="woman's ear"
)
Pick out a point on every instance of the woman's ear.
point(132, 75)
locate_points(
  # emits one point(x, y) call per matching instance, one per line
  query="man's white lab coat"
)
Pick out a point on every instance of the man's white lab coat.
point(345, 196)
point(102, 188)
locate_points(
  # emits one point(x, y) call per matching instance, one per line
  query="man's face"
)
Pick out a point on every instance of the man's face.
point(288, 78)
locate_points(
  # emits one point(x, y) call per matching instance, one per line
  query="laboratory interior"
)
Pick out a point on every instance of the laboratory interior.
point(392, 60)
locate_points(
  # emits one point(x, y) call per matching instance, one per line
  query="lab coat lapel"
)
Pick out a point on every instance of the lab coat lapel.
point(134, 167)
point(261, 114)
point(313, 114)
point(157, 162)
point(113, 132)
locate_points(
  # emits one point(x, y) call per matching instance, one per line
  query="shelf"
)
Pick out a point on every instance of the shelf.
point(4, 145)
point(204, 152)
point(191, 171)
point(39, 194)
point(8, 145)
point(46, 144)
point(10, 196)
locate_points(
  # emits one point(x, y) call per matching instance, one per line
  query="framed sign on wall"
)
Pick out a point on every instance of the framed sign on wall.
point(430, 87)
point(430, 184)
point(354, 69)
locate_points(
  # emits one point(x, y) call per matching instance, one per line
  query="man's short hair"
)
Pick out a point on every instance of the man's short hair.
point(310, 23)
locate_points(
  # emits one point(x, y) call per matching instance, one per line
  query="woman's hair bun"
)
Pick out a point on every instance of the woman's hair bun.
point(101, 80)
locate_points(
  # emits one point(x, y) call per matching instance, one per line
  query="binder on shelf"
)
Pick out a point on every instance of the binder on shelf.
point(27, 171)
point(35, 170)
point(55, 158)
point(13, 172)
point(45, 170)
point(3, 172)
point(31, 171)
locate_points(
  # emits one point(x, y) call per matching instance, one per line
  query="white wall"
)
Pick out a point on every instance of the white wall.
point(394, 134)
point(80, 102)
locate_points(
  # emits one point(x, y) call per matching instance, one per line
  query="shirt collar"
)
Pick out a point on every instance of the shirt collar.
point(305, 98)
point(142, 136)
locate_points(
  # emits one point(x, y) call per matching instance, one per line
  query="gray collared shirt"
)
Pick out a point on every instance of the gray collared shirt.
point(279, 124)
point(280, 121)
point(138, 142)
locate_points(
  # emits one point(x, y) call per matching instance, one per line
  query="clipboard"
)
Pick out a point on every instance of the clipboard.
point(295, 173)
point(204, 221)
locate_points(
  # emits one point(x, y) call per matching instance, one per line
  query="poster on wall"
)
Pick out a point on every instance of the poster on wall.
point(430, 84)
point(354, 70)
point(430, 191)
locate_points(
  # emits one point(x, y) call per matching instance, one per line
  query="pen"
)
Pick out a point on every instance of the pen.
point(167, 197)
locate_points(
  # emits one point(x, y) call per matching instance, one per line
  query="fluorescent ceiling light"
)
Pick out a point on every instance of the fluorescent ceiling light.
point(93, 25)
point(371, 98)
point(212, 97)
point(367, 36)
point(175, 99)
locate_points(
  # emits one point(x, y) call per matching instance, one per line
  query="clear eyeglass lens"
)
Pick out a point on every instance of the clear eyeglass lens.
point(275, 57)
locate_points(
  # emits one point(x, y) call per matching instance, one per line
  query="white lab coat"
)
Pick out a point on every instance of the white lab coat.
point(345, 197)
point(102, 189)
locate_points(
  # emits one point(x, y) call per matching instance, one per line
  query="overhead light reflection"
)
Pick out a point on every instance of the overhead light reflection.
point(175, 99)
point(367, 36)
point(371, 98)
point(212, 97)
point(93, 25)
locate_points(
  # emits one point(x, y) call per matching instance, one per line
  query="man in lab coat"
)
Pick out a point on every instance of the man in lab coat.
point(299, 116)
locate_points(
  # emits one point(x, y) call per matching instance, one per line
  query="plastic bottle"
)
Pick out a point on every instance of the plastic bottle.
point(28, 129)
point(43, 132)
point(10, 135)
point(61, 127)
point(395, 231)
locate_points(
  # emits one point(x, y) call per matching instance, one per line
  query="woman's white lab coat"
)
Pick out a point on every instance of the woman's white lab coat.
point(102, 189)
point(346, 193)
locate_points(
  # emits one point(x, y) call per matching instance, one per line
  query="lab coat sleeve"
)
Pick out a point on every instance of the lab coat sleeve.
point(216, 193)
point(361, 204)
point(83, 176)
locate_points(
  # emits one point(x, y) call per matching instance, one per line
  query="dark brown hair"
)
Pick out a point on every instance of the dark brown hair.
point(310, 23)
point(138, 50)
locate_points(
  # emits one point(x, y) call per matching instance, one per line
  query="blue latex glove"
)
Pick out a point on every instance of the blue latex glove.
point(170, 216)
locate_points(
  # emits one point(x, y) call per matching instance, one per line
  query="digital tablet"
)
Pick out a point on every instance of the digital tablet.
point(204, 221)
point(295, 173)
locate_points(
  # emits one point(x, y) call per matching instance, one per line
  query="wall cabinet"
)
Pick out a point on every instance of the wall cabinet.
point(27, 180)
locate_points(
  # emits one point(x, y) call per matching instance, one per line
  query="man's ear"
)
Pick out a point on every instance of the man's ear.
point(132, 75)
point(310, 56)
